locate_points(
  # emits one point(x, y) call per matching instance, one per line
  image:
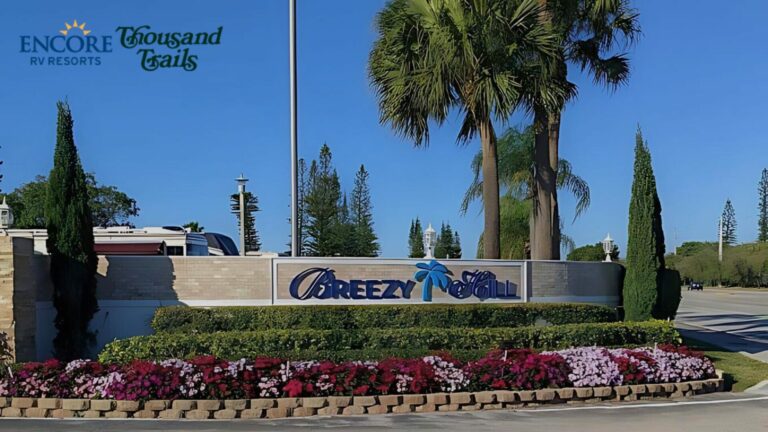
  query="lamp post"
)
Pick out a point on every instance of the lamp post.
point(608, 247)
point(241, 181)
point(430, 241)
point(6, 216)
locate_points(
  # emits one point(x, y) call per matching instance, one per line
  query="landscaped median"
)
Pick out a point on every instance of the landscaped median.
point(207, 387)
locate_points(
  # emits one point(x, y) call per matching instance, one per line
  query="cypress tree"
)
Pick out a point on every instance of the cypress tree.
point(762, 207)
point(729, 223)
point(365, 240)
point(70, 245)
point(645, 243)
point(416, 240)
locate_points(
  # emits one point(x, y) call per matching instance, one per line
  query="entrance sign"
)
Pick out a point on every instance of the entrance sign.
point(368, 280)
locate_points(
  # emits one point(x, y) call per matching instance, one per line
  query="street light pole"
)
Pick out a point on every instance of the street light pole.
point(294, 133)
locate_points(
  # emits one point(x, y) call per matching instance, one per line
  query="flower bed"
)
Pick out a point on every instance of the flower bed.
point(211, 378)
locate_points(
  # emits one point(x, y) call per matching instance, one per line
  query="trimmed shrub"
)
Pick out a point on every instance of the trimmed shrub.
point(239, 344)
point(184, 319)
point(669, 296)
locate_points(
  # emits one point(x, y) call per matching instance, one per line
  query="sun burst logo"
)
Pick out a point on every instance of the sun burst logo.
point(74, 25)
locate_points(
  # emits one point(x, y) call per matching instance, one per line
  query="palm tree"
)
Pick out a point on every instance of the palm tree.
point(590, 34)
point(432, 273)
point(434, 56)
point(516, 177)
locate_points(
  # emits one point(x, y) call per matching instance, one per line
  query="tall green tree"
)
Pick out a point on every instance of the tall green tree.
point(456, 246)
point(252, 238)
point(365, 240)
point(432, 57)
point(728, 219)
point(416, 240)
point(70, 244)
point(762, 207)
point(109, 206)
point(322, 200)
point(592, 35)
point(517, 181)
point(444, 242)
point(303, 187)
point(645, 242)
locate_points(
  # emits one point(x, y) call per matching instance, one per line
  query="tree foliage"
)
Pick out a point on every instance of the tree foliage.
point(592, 35)
point(364, 237)
point(252, 239)
point(336, 225)
point(416, 240)
point(109, 206)
point(433, 57)
point(448, 243)
point(645, 243)
point(728, 221)
point(70, 244)
point(744, 265)
point(592, 253)
point(195, 227)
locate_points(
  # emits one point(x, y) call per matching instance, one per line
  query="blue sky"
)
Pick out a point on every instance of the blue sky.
point(175, 140)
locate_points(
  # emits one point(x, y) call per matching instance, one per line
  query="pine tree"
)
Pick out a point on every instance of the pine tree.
point(322, 200)
point(729, 223)
point(445, 243)
point(252, 239)
point(303, 187)
point(344, 235)
point(365, 240)
point(70, 245)
point(645, 243)
point(416, 240)
point(456, 246)
point(762, 206)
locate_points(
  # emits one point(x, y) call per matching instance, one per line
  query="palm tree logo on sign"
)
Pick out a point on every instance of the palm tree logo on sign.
point(432, 274)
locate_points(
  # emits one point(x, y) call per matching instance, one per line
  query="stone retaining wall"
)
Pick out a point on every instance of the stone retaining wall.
point(344, 405)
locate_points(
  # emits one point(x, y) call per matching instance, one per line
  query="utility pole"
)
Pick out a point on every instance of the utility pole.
point(720, 241)
point(294, 133)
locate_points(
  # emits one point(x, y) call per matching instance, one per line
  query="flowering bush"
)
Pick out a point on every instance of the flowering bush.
point(210, 378)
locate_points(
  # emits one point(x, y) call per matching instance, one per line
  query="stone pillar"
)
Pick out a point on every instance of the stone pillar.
point(18, 295)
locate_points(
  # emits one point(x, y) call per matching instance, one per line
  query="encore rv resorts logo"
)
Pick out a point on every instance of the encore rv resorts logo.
point(74, 45)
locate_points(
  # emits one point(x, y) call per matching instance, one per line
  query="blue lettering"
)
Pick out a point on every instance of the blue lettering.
point(371, 291)
point(354, 289)
point(392, 286)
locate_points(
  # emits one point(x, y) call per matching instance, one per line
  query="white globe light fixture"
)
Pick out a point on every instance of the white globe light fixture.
point(6, 215)
point(430, 241)
point(608, 247)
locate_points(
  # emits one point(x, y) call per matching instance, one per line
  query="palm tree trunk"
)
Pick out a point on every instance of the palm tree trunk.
point(553, 128)
point(541, 243)
point(491, 249)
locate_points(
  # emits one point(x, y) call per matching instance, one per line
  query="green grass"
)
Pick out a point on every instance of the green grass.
point(739, 371)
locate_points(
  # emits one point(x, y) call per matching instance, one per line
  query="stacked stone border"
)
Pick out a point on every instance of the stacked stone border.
point(345, 405)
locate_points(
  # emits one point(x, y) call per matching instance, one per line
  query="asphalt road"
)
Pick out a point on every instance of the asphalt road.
point(710, 413)
point(736, 319)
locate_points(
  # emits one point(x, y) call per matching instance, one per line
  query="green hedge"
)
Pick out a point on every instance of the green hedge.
point(184, 319)
point(234, 345)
